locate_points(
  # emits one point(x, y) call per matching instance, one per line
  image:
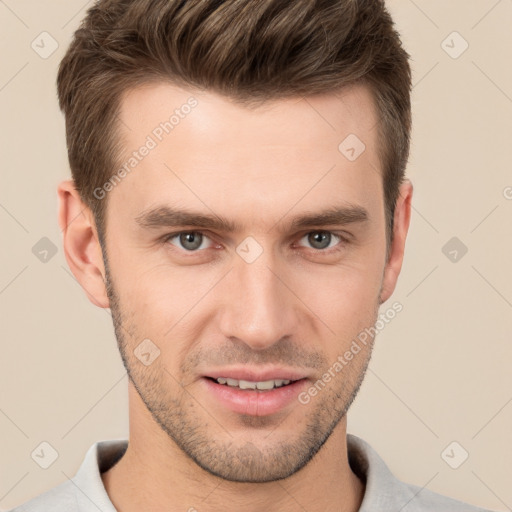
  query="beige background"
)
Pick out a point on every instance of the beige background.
point(441, 369)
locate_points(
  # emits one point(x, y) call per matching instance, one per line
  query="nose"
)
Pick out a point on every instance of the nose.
point(259, 309)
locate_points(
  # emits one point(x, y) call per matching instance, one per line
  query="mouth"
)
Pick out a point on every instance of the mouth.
point(254, 395)
point(265, 385)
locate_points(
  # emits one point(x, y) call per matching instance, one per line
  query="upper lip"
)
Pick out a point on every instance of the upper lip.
point(256, 375)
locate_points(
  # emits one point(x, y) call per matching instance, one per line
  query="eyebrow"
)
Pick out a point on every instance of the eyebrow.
point(166, 216)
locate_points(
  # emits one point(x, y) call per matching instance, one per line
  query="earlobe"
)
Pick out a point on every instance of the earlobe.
point(81, 244)
point(401, 223)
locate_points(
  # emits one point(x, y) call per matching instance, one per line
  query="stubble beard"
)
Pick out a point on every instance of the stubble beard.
point(202, 437)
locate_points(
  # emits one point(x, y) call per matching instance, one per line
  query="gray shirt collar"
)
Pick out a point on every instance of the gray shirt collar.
point(383, 491)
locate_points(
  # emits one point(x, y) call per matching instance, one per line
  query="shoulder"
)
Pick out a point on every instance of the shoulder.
point(386, 493)
point(61, 498)
point(85, 492)
point(419, 499)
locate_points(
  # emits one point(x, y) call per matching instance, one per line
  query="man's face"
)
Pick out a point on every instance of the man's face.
point(271, 299)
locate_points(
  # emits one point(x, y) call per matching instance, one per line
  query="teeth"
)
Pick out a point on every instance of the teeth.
point(246, 384)
point(268, 384)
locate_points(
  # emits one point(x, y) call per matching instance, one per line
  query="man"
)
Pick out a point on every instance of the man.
point(239, 203)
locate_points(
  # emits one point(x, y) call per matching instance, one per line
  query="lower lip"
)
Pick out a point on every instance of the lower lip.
point(255, 402)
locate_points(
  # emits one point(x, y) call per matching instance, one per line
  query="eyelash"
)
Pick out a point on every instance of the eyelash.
point(343, 241)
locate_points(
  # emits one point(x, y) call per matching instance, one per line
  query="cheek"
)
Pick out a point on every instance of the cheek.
point(163, 297)
point(343, 298)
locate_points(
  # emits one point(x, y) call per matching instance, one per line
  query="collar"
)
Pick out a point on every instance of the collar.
point(383, 491)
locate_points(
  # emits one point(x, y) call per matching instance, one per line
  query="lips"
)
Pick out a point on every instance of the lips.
point(256, 393)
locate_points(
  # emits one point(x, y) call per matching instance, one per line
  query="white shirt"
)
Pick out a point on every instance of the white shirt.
point(383, 493)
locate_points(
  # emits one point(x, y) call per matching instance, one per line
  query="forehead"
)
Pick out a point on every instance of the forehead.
point(187, 146)
point(151, 105)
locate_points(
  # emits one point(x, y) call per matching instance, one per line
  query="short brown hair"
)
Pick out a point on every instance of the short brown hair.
point(248, 50)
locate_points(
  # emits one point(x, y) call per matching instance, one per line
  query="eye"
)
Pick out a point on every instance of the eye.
point(194, 241)
point(321, 240)
point(191, 241)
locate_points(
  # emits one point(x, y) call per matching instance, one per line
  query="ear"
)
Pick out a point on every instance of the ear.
point(401, 222)
point(81, 243)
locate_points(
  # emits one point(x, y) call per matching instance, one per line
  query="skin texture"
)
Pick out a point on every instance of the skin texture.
point(297, 305)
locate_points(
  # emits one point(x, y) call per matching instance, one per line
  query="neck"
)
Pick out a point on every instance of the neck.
point(154, 474)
